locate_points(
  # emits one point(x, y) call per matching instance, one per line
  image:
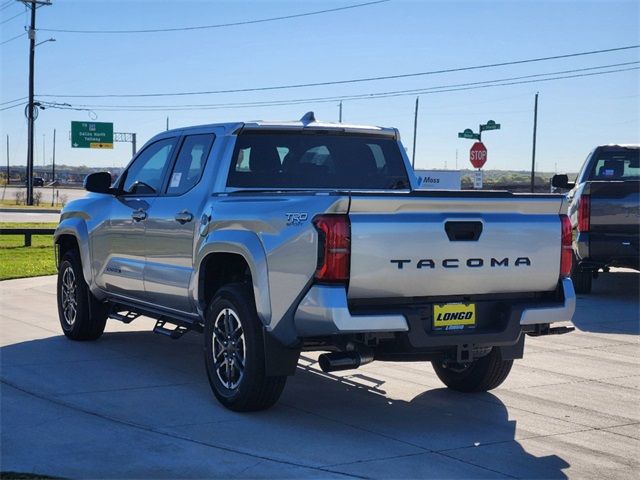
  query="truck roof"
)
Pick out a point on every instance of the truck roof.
point(620, 145)
point(308, 121)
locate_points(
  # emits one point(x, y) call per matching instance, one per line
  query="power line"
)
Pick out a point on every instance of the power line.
point(14, 38)
point(350, 81)
point(6, 5)
point(12, 106)
point(333, 99)
point(11, 18)
point(376, 94)
point(220, 25)
point(15, 100)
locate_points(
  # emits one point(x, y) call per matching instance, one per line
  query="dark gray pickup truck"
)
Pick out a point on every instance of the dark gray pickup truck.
point(605, 212)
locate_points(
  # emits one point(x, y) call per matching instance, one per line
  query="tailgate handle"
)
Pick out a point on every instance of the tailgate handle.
point(463, 231)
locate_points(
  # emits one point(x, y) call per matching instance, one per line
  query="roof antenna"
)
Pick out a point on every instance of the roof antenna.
point(308, 118)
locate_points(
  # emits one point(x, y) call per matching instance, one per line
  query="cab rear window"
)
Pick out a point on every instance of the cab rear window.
point(617, 165)
point(316, 160)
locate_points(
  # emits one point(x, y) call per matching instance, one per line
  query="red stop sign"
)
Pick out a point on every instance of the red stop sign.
point(478, 155)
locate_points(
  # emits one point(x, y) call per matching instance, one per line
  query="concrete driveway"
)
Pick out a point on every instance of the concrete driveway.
point(135, 404)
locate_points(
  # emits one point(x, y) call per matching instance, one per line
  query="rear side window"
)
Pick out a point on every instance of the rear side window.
point(616, 165)
point(190, 163)
point(316, 160)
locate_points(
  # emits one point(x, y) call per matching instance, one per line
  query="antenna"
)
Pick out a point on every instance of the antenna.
point(308, 118)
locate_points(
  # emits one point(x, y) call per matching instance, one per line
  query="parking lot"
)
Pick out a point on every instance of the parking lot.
point(135, 404)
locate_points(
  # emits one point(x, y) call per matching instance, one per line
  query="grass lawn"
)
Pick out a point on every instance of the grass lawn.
point(10, 203)
point(18, 261)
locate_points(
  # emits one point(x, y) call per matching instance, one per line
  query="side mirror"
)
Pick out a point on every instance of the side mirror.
point(99, 182)
point(562, 181)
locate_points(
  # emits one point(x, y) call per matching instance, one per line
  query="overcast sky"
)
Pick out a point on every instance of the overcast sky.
point(389, 38)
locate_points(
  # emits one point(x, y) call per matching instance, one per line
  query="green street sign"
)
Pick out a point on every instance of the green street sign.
point(468, 133)
point(91, 135)
point(490, 125)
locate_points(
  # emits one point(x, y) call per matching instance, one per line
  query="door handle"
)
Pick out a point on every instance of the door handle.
point(139, 215)
point(184, 217)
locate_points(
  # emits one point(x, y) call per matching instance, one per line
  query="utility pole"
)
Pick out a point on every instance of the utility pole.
point(167, 123)
point(133, 144)
point(8, 171)
point(415, 133)
point(53, 170)
point(533, 154)
point(53, 167)
point(31, 106)
point(340, 114)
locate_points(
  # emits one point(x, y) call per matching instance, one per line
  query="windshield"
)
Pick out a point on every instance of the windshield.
point(317, 160)
point(616, 165)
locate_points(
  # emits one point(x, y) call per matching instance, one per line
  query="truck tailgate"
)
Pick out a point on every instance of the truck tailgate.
point(615, 206)
point(453, 243)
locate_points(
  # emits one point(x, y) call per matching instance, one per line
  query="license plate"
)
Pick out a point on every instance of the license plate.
point(454, 316)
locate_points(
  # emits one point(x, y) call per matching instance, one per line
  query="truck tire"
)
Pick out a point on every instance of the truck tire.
point(582, 279)
point(234, 352)
point(81, 315)
point(481, 375)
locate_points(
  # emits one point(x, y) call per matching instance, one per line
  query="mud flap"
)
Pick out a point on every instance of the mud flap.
point(513, 352)
point(278, 359)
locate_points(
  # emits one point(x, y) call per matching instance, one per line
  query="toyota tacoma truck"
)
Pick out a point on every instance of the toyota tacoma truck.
point(604, 208)
point(273, 238)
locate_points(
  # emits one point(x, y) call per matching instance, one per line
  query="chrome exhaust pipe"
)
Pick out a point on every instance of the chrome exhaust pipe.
point(336, 361)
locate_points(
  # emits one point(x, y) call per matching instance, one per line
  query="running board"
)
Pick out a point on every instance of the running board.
point(127, 312)
point(126, 318)
point(174, 333)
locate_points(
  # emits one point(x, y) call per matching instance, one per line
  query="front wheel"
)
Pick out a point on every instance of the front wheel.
point(82, 316)
point(234, 353)
point(481, 375)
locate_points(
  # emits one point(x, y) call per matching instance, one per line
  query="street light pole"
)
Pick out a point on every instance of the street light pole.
point(31, 106)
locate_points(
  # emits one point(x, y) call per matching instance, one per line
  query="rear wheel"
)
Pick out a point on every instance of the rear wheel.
point(582, 279)
point(481, 375)
point(234, 353)
point(82, 316)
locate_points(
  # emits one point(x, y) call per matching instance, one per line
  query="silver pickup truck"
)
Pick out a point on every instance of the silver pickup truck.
point(277, 238)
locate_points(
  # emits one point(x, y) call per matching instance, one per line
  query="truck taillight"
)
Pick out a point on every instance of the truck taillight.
point(584, 213)
point(566, 255)
point(334, 247)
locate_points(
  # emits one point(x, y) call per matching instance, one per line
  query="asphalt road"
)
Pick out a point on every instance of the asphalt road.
point(8, 193)
point(135, 404)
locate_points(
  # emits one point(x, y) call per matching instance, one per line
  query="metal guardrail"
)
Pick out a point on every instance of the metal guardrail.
point(27, 232)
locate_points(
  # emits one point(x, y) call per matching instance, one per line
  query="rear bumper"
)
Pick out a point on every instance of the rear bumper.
point(324, 311)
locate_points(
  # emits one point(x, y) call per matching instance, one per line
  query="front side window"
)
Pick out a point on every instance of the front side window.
point(190, 163)
point(317, 160)
point(145, 175)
